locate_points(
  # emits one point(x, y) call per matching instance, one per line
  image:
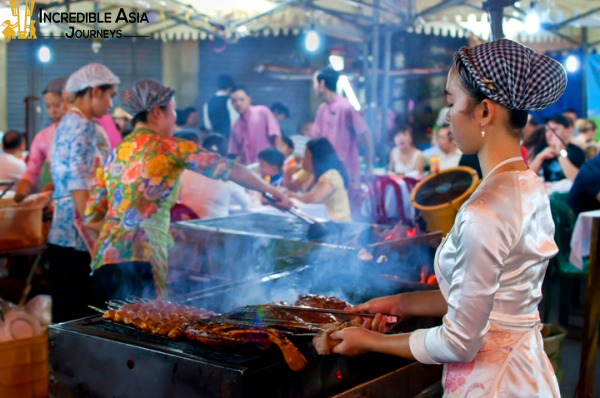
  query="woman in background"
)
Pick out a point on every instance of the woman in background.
point(56, 108)
point(331, 180)
point(405, 158)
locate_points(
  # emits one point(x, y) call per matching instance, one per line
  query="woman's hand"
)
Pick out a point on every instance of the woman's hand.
point(283, 201)
point(353, 341)
point(390, 305)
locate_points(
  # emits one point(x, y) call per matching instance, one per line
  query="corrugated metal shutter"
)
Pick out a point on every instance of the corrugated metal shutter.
point(68, 55)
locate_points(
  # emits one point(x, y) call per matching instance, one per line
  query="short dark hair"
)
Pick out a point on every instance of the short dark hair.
point(182, 117)
point(534, 122)
point(288, 141)
point(12, 140)
point(278, 107)
point(240, 88)
point(560, 119)
point(224, 82)
point(330, 76)
point(82, 93)
point(215, 142)
point(403, 128)
point(190, 109)
point(517, 119)
point(272, 156)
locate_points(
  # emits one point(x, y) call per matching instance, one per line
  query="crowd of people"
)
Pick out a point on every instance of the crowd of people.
point(114, 178)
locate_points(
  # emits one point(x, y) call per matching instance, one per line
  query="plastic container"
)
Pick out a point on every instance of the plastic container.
point(24, 368)
point(20, 226)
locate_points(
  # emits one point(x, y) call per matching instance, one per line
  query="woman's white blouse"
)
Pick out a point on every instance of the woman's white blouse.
point(491, 266)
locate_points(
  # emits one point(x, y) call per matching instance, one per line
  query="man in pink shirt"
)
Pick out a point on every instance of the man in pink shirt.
point(255, 130)
point(341, 124)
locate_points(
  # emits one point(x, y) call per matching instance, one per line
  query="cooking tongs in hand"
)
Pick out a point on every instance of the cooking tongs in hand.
point(316, 229)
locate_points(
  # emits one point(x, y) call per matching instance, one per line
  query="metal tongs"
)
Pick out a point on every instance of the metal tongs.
point(321, 310)
point(316, 229)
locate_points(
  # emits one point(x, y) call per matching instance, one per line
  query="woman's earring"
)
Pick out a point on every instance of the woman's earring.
point(483, 133)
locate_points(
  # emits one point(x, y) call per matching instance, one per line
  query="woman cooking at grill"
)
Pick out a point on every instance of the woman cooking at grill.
point(491, 265)
point(138, 186)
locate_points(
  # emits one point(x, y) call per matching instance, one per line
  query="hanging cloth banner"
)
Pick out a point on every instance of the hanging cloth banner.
point(593, 86)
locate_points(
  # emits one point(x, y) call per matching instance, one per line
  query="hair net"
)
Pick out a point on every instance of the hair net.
point(144, 95)
point(91, 75)
point(55, 86)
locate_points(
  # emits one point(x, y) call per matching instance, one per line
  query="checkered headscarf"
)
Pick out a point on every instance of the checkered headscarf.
point(144, 96)
point(514, 75)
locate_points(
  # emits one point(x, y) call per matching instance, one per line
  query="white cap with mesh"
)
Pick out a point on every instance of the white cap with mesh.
point(91, 75)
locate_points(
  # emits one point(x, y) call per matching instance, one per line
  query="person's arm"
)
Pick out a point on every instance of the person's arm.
point(233, 148)
point(205, 117)
point(420, 163)
point(35, 164)
point(82, 154)
point(273, 129)
point(568, 168)
point(318, 194)
point(195, 158)
point(365, 137)
point(366, 140)
point(475, 281)
point(23, 190)
point(548, 153)
point(233, 115)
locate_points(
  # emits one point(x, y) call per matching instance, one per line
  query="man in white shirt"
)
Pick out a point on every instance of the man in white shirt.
point(447, 153)
point(12, 166)
point(218, 112)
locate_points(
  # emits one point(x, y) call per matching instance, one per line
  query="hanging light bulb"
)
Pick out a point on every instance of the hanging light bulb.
point(532, 21)
point(312, 41)
point(572, 63)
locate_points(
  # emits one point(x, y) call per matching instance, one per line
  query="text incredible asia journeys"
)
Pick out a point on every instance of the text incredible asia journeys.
point(90, 18)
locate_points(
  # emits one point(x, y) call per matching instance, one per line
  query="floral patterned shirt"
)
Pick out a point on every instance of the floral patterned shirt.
point(135, 191)
point(74, 155)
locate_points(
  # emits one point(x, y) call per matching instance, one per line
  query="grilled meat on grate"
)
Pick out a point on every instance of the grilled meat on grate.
point(174, 320)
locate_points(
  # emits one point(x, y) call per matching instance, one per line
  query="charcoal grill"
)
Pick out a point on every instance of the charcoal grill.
point(93, 357)
point(268, 243)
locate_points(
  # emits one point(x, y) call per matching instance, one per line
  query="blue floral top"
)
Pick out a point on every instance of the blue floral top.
point(74, 157)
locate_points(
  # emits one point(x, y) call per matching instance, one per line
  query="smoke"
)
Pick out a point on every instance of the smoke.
point(257, 258)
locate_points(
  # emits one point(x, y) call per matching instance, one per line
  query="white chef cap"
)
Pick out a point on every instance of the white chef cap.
point(91, 75)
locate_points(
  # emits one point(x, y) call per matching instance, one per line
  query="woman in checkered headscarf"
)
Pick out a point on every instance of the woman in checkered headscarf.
point(491, 265)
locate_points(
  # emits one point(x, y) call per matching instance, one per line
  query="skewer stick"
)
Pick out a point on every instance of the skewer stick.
point(97, 309)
